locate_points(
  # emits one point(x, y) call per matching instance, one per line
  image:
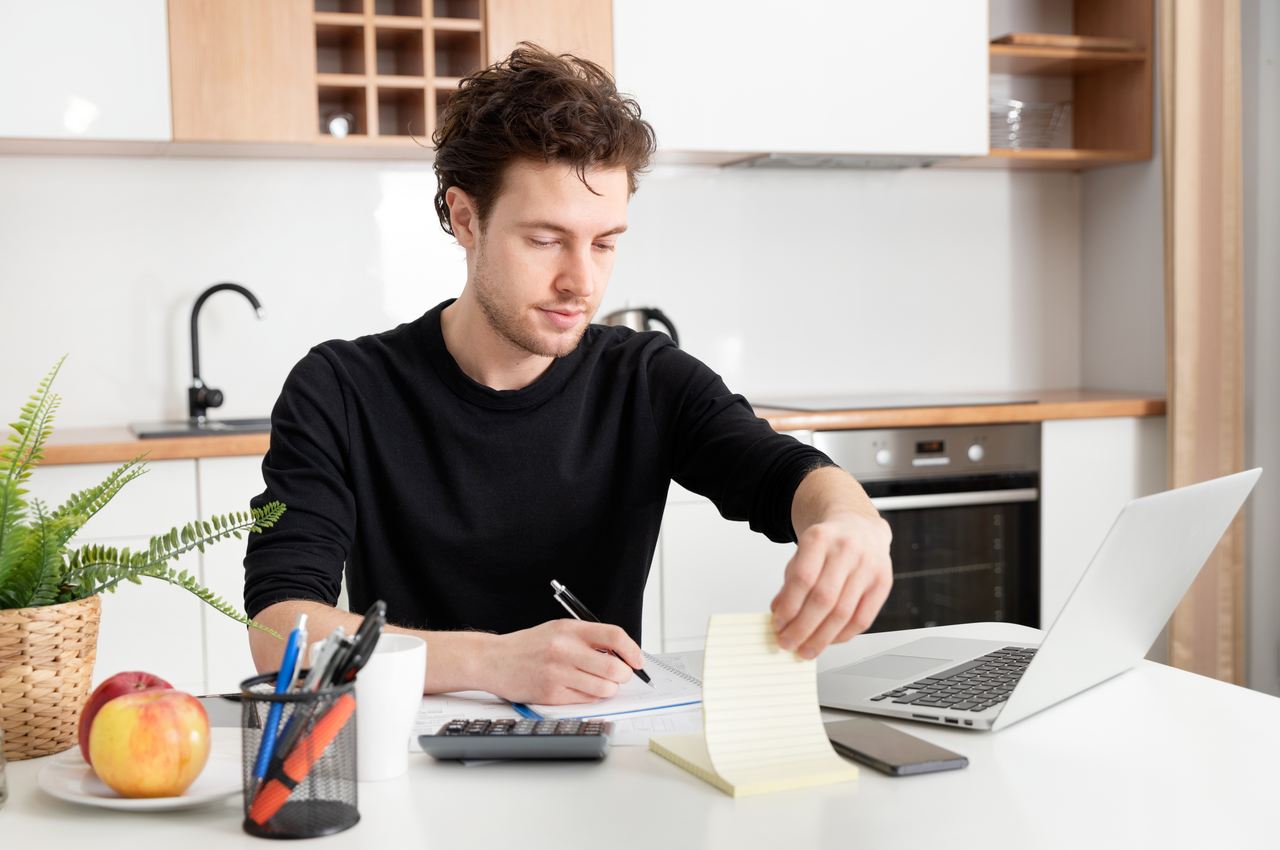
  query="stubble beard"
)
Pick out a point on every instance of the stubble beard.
point(510, 321)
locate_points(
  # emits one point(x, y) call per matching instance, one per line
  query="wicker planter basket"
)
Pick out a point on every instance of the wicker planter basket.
point(46, 664)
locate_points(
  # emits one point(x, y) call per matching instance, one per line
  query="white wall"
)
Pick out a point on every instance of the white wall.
point(1260, 25)
point(1122, 277)
point(786, 282)
point(1122, 273)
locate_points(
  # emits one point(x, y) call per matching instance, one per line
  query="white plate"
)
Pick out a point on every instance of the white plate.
point(68, 777)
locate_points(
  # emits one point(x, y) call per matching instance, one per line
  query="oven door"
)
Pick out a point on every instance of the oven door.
point(964, 550)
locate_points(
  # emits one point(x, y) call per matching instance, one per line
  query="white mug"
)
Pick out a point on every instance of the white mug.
point(388, 694)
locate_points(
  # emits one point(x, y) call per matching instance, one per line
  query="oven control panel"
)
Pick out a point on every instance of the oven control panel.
point(933, 452)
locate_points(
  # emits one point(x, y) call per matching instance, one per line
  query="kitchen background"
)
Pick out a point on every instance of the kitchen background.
point(787, 282)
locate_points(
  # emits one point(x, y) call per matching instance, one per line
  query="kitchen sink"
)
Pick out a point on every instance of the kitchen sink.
point(188, 428)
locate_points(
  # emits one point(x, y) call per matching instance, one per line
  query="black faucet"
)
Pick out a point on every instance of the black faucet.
point(199, 397)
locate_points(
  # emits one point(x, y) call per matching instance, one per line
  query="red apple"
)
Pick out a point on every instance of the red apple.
point(118, 685)
point(150, 744)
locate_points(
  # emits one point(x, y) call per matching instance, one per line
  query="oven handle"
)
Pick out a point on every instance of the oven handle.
point(955, 500)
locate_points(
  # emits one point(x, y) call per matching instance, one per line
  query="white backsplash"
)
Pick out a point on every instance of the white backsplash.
point(786, 282)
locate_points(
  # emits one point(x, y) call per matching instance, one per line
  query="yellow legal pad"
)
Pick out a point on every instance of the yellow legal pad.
point(762, 729)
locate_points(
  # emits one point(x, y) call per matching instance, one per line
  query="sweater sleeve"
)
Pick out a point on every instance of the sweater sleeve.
point(720, 449)
point(302, 557)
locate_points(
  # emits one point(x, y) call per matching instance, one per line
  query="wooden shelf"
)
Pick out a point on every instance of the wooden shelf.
point(339, 19)
point(1065, 159)
point(1057, 61)
point(389, 66)
point(386, 81)
point(1107, 62)
point(351, 81)
point(356, 139)
point(397, 22)
point(456, 25)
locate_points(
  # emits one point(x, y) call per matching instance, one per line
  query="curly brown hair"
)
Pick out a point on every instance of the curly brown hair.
point(537, 106)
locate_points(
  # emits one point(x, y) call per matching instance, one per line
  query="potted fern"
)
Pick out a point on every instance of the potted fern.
point(49, 592)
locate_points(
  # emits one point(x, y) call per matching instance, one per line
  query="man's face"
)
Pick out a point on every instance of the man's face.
point(544, 256)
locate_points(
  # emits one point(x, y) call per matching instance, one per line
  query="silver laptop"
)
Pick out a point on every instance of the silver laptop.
point(1145, 564)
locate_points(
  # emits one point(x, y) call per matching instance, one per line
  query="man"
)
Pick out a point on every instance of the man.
point(460, 462)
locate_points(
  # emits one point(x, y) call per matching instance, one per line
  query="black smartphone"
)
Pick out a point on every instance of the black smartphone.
point(879, 745)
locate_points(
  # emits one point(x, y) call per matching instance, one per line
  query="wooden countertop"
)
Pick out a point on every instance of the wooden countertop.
point(113, 445)
point(1047, 404)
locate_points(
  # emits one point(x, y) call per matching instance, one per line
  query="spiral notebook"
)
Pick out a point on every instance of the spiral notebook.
point(673, 687)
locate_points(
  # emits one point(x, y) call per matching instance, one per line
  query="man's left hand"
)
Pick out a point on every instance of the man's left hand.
point(835, 583)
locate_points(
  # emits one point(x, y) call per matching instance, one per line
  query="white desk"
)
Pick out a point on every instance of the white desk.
point(1154, 758)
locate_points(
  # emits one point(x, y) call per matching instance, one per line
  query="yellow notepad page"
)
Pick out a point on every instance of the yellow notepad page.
point(762, 729)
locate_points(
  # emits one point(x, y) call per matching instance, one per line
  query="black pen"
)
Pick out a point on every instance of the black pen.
point(580, 612)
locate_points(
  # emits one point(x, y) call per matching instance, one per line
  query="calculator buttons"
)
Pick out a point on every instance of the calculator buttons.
point(510, 738)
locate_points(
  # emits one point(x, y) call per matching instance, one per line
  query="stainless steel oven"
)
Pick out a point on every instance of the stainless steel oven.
point(963, 503)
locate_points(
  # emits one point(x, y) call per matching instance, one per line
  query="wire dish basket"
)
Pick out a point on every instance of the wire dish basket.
point(1018, 124)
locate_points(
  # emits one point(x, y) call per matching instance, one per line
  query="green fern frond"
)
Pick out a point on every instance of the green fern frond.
point(89, 501)
point(100, 569)
point(43, 553)
point(36, 567)
point(34, 425)
point(13, 583)
point(22, 450)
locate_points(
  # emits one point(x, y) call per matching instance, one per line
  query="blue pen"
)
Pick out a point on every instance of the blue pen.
point(284, 679)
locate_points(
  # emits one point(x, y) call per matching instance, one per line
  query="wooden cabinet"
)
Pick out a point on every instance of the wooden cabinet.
point(226, 484)
point(353, 74)
point(1089, 470)
point(1109, 85)
point(823, 77)
point(384, 68)
point(581, 27)
point(242, 70)
point(75, 70)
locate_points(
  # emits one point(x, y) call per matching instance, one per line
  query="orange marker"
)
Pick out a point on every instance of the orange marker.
point(280, 784)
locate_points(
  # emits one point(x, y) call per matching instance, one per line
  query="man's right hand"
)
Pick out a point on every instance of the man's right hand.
point(560, 662)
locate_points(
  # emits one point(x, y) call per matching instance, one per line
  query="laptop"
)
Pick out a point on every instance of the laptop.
point(1145, 564)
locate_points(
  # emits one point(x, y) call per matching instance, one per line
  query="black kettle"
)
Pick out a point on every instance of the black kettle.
point(643, 319)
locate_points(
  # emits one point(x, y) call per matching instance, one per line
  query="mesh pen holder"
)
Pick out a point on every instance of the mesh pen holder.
point(310, 787)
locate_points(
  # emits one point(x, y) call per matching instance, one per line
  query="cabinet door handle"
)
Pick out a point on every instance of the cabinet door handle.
point(955, 500)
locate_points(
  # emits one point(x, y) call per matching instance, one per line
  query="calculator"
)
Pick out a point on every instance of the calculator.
point(519, 739)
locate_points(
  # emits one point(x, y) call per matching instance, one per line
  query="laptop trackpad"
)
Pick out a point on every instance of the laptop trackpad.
point(891, 666)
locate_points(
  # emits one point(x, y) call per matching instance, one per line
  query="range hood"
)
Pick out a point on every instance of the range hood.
point(834, 160)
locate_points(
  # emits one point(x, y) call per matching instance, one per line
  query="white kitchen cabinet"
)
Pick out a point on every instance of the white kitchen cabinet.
point(84, 69)
point(226, 485)
point(154, 627)
point(827, 76)
point(1089, 470)
point(651, 616)
point(708, 565)
point(711, 566)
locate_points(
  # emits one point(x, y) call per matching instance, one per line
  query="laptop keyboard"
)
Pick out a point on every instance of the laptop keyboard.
point(972, 686)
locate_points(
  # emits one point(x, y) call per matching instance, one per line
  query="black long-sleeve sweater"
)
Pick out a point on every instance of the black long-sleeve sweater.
point(458, 504)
